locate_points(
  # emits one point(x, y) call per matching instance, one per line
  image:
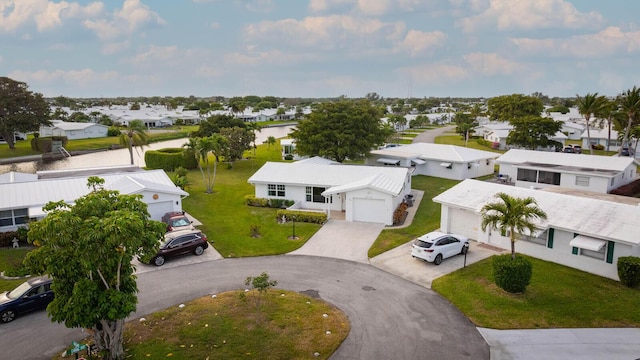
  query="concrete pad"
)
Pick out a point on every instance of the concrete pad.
point(399, 262)
point(210, 254)
point(341, 239)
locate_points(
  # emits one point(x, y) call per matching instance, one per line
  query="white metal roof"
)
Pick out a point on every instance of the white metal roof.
point(63, 125)
point(438, 152)
point(377, 182)
point(326, 175)
point(316, 160)
point(580, 161)
point(591, 217)
point(600, 134)
point(38, 193)
point(13, 176)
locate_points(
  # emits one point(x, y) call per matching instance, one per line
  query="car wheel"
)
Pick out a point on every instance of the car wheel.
point(438, 259)
point(7, 316)
point(158, 260)
point(464, 250)
point(199, 250)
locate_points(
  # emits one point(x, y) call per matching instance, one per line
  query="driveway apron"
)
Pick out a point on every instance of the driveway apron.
point(341, 239)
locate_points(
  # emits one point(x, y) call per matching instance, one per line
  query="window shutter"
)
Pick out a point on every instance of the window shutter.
point(610, 246)
point(574, 250)
point(550, 240)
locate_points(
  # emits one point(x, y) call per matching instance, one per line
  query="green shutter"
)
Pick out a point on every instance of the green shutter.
point(574, 250)
point(610, 245)
point(550, 239)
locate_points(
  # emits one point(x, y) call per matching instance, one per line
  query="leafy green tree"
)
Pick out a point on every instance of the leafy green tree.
point(629, 102)
point(465, 124)
point(610, 114)
point(271, 140)
point(20, 110)
point(239, 140)
point(589, 105)
point(532, 132)
point(252, 100)
point(299, 112)
point(253, 127)
point(87, 249)
point(281, 111)
point(341, 130)
point(237, 105)
point(512, 215)
point(79, 117)
point(59, 114)
point(214, 123)
point(134, 135)
point(509, 107)
point(262, 284)
point(135, 106)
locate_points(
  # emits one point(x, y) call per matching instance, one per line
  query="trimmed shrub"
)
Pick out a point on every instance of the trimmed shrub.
point(113, 131)
point(598, 147)
point(45, 144)
point(280, 203)
point(629, 270)
point(288, 157)
point(251, 200)
point(6, 238)
point(512, 275)
point(398, 214)
point(302, 216)
point(169, 159)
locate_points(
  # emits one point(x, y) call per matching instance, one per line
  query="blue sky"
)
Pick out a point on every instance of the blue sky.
point(321, 48)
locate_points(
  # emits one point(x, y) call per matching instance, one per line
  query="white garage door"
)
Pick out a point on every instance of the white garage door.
point(156, 210)
point(463, 222)
point(369, 210)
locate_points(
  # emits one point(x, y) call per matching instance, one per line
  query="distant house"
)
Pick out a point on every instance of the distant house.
point(288, 147)
point(363, 193)
point(445, 161)
point(585, 233)
point(22, 196)
point(74, 130)
point(540, 169)
point(601, 137)
point(573, 130)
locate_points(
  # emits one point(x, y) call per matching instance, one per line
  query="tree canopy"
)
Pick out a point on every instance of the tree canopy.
point(87, 249)
point(214, 123)
point(532, 132)
point(20, 109)
point(238, 141)
point(341, 130)
point(509, 107)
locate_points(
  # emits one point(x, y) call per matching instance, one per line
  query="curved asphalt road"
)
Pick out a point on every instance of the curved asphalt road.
point(391, 318)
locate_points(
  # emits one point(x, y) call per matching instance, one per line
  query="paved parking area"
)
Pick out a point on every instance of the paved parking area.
point(399, 262)
point(209, 254)
point(341, 239)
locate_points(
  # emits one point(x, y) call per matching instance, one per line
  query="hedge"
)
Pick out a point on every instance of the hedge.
point(170, 159)
point(629, 270)
point(512, 275)
point(262, 202)
point(45, 144)
point(302, 216)
point(6, 238)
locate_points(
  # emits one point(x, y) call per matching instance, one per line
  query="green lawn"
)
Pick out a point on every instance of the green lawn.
point(427, 216)
point(10, 258)
point(558, 297)
point(456, 139)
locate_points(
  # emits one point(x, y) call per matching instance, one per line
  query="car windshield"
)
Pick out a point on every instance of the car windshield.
point(422, 243)
point(179, 222)
point(19, 291)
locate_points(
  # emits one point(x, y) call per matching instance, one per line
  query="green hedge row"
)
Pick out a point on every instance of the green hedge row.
point(170, 159)
point(6, 238)
point(262, 202)
point(45, 144)
point(302, 216)
point(629, 270)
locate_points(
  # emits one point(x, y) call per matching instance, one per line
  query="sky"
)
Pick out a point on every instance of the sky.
point(321, 48)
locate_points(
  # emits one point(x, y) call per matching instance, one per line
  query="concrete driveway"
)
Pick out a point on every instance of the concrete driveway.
point(341, 239)
point(399, 262)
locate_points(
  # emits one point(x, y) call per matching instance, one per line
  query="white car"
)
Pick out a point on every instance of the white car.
point(437, 246)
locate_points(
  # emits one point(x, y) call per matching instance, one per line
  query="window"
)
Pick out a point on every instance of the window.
point(594, 254)
point(314, 194)
point(582, 180)
point(14, 217)
point(547, 177)
point(527, 175)
point(275, 190)
point(539, 238)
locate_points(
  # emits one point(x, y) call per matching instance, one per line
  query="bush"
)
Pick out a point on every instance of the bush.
point(598, 147)
point(484, 142)
point(398, 214)
point(6, 238)
point(302, 216)
point(113, 131)
point(251, 200)
point(512, 275)
point(169, 159)
point(288, 157)
point(629, 270)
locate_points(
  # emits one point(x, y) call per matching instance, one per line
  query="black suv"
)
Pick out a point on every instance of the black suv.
point(179, 243)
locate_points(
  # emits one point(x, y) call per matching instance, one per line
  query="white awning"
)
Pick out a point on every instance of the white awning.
point(445, 164)
point(418, 161)
point(36, 212)
point(389, 161)
point(588, 243)
point(536, 233)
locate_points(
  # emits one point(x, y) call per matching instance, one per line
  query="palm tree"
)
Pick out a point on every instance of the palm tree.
point(134, 135)
point(193, 145)
point(589, 105)
point(610, 113)
point(629, 104)
point(253, 127)
point(217, 145)
point(271, 140)
point(511, 214)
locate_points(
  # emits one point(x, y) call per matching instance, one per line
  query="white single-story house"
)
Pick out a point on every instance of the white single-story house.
point(601, 137)
point(499, 137)
point(444, 161)
point(363, 193)
point(581, 232)
point(288, 147)
point(573, 130)
point(74, 130)
point(22, 196)
point(528, 168)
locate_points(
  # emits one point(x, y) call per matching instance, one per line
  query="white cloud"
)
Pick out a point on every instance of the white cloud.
point(368, 7)
point(417, 42)
point(155, 54)
point(81, 78)
point(530, 14)
point(114, 47)
point(431, 73)
point(263, 6)
point(46, 14)
point(608, 42)
point(491, 64)
point(133, 16)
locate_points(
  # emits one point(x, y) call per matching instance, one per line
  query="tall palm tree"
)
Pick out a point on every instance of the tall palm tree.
point(193, 145)
point(511, 214)
point(629, 104)
point(589, 105)
point(134, 135)
point(610, 113)
point(253, 127)
point(217, 146)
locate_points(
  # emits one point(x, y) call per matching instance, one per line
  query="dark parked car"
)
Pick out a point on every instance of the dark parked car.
point(625, 151)
point(577, 149)
point(179, 243)
point(34, 294)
